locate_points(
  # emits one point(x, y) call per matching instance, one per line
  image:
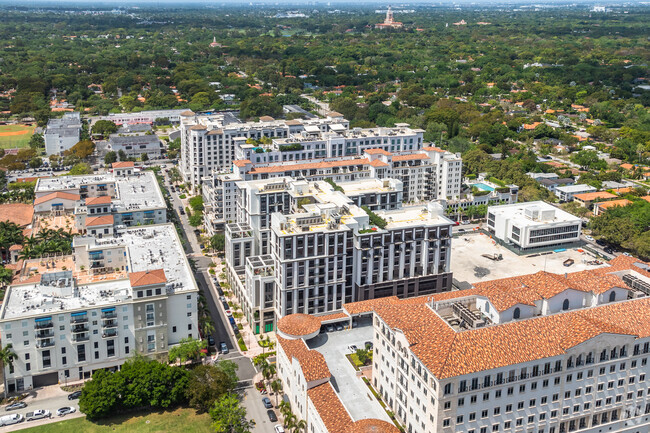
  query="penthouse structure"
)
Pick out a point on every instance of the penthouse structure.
point(533, 225)
point(306, 247)
point(61, 134)
point(71, 315)
point(425, 174)
point(575, 359)
point(208, 142)
point(92, 203)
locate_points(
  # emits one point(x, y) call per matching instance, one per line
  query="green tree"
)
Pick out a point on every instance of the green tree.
point(144, 157)
point(218, 242)
point(588, 160)
point(122, 155)
point(207, 384)
point(80, 168)
point(104, 127)
point(196, 203)
point(189, 349)
point(7, 357)
point(81, 150)
point(5, 275)
point(110, 158)
point(37, 142)
point(228, 416)
point(35, 162)
point(196, 219)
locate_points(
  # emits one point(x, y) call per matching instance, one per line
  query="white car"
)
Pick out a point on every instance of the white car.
point(65, 411)
point(38, 414)
point(11, 419)
point(279, 429)
point(589, 238)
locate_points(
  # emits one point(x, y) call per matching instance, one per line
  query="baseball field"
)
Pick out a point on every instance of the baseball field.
point(12, 136)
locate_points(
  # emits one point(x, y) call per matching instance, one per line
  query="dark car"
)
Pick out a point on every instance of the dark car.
point(608, 250)
point(75, 395)
point(267, 403)
point(210, 340)
point(601, 242)
point(17, 405)
point(271, 415)
point(180, 209)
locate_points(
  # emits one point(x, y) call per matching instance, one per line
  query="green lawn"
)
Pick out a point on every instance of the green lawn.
point(179, 420)
point(8, 141)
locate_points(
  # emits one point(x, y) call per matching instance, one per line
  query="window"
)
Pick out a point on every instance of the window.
point(517, 313)
point(612, 297)
point(565, 304)
point(150, 314)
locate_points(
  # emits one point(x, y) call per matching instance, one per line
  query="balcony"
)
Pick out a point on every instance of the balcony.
point(108, 333)
point(109, 315)
point(109, 324)
point(43, 325)
point(79, 319)
point(49, 333)
point(80, 337)
point(44, 343)
point(80, 328)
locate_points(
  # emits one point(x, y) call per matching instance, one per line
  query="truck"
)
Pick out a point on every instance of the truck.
point(11, 419)
point(38, 414)
point(496, 257)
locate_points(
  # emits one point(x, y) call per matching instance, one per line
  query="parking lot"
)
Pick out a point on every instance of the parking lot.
point(353, 392)
point(468, 264)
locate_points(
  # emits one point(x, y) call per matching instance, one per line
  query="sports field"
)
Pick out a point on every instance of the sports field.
point(12, 136)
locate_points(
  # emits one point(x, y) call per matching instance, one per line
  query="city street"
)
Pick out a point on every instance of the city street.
point(49, 398)
point(255, 410)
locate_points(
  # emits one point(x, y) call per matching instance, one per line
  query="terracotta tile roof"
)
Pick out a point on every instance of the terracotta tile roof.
point(311, 362)
point(334, 114)
point(123, 164)
point(377, 152)
point(624, 190)
point(280, 168)
point(298, 325)
point(242, 162)
point(627, 166)
point(18, 213)
point(266, 119)
point(333, 316)
point(410, 157)
point(187, 113)
point(590, 196)
point(92, 201)
point(646, 198)
point(373, 426)
point(334, 415)
point(293, 122)
point(15, 247)
point(613, 203)
point(147, 278)
point(103, 220)
point(362, 307)
point(622, 263)
point(197, 128)
point(448, 353)
point(378, 163)
point(215, 132)
point(57, 195)
point(433, 149)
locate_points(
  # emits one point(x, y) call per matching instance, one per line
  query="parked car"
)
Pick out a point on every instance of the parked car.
point(181, 210)
point(279, 429)
point(608, 250)
point(65, 411)
point(330, 328)
point(75, 395)
point(11, 419)
point(339, 327)
point(589, 238)
point(221, 298)
point(210, 340)
point(17, 405)
point(352, 348)
point(271, 415)
point(601, 242)
point(223, 348)
point(267, 403)
point(38, 414)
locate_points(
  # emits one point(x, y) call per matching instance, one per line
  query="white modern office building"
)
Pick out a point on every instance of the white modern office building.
point(307, 247)
point(61, 134)
point(68, 316)
point(566, 193)
point(531, 225)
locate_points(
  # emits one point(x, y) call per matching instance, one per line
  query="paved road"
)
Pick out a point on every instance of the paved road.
point(51, 403)
point(252, 401)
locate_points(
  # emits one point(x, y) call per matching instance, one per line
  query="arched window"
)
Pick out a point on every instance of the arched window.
point(517, 313)
point(612, 297)
point(565, 304)
point(487, 307)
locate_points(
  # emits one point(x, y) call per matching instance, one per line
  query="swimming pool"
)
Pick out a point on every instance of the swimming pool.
point(483, 186)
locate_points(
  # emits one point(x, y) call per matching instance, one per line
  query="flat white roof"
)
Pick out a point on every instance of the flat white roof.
point(575, 188)
point(148, 248)
point(413, 216)
point(517, 213)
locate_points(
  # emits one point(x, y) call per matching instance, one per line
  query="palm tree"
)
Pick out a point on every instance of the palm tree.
point(276, 386)
point(265, 342)
point(300, 426)
point(289, 420)
point(285, 407)
point(268, 371)
point(207, 328)
point(7, 356)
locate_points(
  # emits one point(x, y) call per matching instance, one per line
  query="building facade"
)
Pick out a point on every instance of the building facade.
point(61, 134)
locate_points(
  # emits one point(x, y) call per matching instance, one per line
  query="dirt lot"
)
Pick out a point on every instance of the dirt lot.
point(467, 262)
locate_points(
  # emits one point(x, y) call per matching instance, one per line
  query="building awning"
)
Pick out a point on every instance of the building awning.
point(43, 319)
point(83, 313)
point(107, 310)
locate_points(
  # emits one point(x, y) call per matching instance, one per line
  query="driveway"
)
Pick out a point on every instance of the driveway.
point(352, 391)
point(252, 401)
point(49, 398)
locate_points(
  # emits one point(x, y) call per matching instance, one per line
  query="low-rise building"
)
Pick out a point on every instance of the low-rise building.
point(135, 145)
point(69, 316)
point(552, 183)
point(533, 225)
point(588, 199)
point(600, 208)
point(61, 134)
point(566, 193)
